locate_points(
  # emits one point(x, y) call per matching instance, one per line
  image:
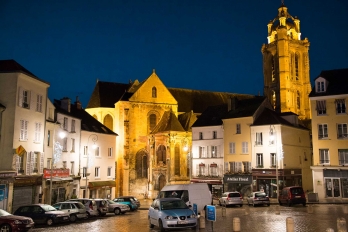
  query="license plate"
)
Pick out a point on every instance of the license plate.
point(297, 196)
point(182, 222)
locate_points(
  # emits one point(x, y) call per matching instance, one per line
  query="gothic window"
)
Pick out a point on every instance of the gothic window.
point(154, 92)
point(298, 100)
point(141, 164)
point(296, 66)
point(108, 122)
point(152, 120)
point(273, 70)
point(177, 160)
point(161, 154)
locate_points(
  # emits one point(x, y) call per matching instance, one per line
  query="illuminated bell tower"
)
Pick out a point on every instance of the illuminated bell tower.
point(286, 65)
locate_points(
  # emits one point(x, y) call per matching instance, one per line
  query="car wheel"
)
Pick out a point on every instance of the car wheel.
point(241, 205)
point(49, 222)
point(73, 218)
point(151, 225)
point(160, 225)
point(268, 204)
point(5, 228)
point(117, 211)
point(99, 213)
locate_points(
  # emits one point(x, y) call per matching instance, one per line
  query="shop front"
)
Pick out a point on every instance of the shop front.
point(102, 189)
point(335, 183)
point(62, 185)
point(26, 190)
point(238, 182)
point(215, 185)
point(265, 180)
point(6, 189)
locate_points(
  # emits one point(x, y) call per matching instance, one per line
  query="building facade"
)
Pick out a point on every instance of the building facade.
point(329, 133)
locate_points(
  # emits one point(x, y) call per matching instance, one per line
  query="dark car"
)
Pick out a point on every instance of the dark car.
point(42, 214)
point(9, 222)
point(292, 195)
point(128, 201)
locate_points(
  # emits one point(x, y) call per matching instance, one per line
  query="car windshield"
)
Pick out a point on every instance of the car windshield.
point(4, 213)
point(167, 205)
point(234, 195)
point(182, 194)
point(48, 208)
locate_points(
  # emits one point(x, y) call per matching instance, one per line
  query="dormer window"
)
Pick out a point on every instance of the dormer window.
point(320, 85)
point(154, 92)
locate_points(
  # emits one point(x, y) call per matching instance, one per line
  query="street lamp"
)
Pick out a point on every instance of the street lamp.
point(56, 152)
point(94, 146)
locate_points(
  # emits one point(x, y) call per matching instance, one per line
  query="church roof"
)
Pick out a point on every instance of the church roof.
point(11, 66)
point(106, 94)
point(187, 120)
point(337, 82)
point(169, 122)
point(211, 116)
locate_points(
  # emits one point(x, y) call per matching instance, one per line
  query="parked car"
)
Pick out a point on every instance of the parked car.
point(102, 206)
point(292, 195)
point(169, 213)
point(90, 206)
point(117, 208)
point(137, 202)
point(258, 198)
point(42, 214)
point(127, 201)
point(75, 209)
point(231, 198)
point(9, 222)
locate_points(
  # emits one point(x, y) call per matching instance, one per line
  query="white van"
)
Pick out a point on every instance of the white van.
point(191, 193)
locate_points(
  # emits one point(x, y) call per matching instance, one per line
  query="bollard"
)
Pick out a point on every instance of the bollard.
point(309, 209)
point(341, 225)
point(202, 220)
point(246, 211)
point(290, 227)
point(223, 211)
point(236, 224)
point(345, 209)
point(277, 212)
point(329, 230)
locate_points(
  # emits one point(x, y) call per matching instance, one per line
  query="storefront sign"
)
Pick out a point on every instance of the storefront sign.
point(238, 179)
point(7, 174)
point(56, 173)
point(28, 181)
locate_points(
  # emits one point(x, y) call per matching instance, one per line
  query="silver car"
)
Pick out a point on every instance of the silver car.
point(117, 208)
point(258, 198)
point(231, 198)
point(76, 210)
point(90, 206)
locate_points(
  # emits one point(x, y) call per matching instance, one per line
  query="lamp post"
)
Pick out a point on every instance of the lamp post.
point(94, 139)
point(56, 152)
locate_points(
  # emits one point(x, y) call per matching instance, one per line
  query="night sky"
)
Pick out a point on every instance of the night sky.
point(196, 44)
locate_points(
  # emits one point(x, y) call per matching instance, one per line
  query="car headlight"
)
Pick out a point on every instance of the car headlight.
point(169, 217)
point(193, 216)
point(18, 222)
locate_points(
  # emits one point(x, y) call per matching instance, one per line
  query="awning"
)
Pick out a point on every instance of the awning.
point(321, 105)
point(100, 184)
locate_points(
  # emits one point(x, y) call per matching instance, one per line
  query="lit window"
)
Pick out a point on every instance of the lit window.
point(213, 151)
point(259, 160)
point(273, 160)
point(258, 139)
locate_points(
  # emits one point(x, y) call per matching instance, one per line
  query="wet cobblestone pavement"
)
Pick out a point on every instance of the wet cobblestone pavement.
point(259, 218)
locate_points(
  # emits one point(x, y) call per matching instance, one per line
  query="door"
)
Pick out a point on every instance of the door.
point(332, 186)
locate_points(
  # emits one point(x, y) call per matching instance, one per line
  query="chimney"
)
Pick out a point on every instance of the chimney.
point(65, 104)
point(78, 103)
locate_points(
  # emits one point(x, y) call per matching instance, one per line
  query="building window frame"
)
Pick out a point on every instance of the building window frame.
point(343, 156)
point(342, 132)
point(23, 136)
point(245, 148)
point(323, 132)
point(238, 128)
point(258, 140)
point(340, 106)
point(324, 156)
point(321, 107)
point(232, 148)
point(259, 160)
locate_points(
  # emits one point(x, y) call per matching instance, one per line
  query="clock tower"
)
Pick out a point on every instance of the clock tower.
point(286, 65)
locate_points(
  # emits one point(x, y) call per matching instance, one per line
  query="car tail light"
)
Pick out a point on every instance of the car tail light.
point(240, 196)
point(91, 206)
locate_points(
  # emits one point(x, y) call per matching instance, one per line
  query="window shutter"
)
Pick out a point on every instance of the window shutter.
point(31, 104)
point(41, 163)
point(27, 169)
point(239, 167)
point(17, 166)
point(20, 97)
point(31, 162)
point(226, 167)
